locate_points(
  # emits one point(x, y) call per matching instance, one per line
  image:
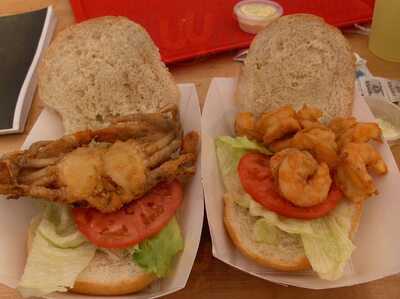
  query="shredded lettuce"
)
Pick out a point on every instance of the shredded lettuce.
point(58, 254)
point(156, 254)
point(325, 240)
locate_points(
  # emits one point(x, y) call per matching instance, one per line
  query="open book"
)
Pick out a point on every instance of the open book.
point(23, 38)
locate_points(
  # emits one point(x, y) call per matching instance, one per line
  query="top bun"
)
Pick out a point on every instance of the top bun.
point(103, 68)
point(298, 59)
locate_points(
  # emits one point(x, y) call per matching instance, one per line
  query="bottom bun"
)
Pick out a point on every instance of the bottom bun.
point(107, 275)
point(289, 256)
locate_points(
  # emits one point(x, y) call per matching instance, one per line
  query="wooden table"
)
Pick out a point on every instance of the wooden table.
point(211, 278)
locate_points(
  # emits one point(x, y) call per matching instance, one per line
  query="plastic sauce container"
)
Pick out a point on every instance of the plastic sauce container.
point(254, 15)
point(388, 117)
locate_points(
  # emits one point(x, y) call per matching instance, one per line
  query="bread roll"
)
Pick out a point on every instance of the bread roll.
point(105, 275)
point(298, 59)
point(239, 223)
point(102, 68)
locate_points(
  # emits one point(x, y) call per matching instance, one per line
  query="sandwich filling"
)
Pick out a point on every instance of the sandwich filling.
point(325, 241)
point(114, 190)
point(303, 193)
point(59, 252)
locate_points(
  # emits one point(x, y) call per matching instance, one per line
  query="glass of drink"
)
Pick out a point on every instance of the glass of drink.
point(384, 39)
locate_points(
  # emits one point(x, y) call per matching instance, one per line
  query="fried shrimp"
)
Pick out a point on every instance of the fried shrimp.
point(277, 159)
point(361, 132)
point(245, 125)
point(320, 141)
point(352, 172)
point(301, 180)
point(349, 130)
point(339, 125)
point(277, 124)
point(306, 151)
point(309, 116)
point(281, 144)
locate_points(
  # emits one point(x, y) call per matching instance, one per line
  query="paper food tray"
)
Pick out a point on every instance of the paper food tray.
point(378, 247)
point(15, 215)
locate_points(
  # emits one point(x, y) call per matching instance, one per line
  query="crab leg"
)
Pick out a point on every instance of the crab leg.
point(6, 173)
point(190, 143)
point(45, 180)
point(159, 144)
point(122, 133)
point(15, 191)
point(62, 145)
point(40, 163)
point(155, 120)
point(163, 154)
point(171, 169)
point(35, 147)
point(41, 174)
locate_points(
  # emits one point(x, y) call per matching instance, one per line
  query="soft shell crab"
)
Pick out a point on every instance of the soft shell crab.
point(104, 168)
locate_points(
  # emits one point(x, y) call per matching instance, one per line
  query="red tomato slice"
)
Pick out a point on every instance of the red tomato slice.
point(139, 220)
point(256, 178)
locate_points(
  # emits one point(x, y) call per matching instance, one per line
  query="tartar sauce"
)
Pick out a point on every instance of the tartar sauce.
point(261, 10)
point(388, 129)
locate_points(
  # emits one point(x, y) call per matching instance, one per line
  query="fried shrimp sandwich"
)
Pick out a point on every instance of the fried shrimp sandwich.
point(300, 168)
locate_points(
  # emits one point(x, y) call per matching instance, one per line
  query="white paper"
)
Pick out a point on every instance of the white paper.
point(378, 247)
point(15, 215)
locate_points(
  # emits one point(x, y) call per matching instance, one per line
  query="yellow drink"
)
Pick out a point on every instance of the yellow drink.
point(384, 40)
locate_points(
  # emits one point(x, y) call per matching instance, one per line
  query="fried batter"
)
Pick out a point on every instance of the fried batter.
point(300, 178)
point(245, 125)
point(349, 130)
point(352, 172)
point(320, 141)
point(105, 168)
point(309, 116)
point(306, 151)
point(277, 124)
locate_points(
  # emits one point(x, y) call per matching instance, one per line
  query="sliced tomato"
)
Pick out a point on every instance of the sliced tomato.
point(256, 178)
point(139, 220)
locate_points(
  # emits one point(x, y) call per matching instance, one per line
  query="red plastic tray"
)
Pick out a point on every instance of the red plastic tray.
point(184, 29)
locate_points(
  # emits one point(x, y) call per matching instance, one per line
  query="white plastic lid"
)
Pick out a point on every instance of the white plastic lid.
point(238, 12)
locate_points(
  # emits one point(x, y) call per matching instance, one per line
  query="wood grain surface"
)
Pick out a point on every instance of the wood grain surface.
point(211, 278)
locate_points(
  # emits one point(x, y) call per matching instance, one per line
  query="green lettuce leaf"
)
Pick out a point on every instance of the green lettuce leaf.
point(58, 254)
point(229, 151)
point(264, 232)
point(325, 240)
point(156, 254)
point(329, 248)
